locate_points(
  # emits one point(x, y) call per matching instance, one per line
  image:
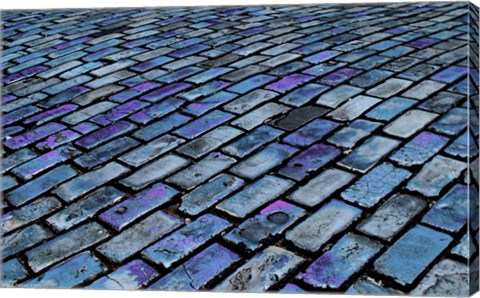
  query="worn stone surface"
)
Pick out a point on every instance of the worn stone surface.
point(313, 131)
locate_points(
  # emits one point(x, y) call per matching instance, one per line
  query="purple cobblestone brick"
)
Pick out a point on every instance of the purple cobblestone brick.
point(105, 134)
point(204, 105)
point(154, 171)
point(71, 273)
point(85, 209)
point(51, 114)
point(165, 91)
point(45, 161)
point(309, 161)
point(26, 73)
point(34, 135)
point(40, 185)
point(405, 260)
point(186, 240)
point(420, 149)
point(157, 110)
point(85, 127)
point(126, 212)
point(289, 82)
point(19, 114)
point(203, 124)
point(261, 272)
point(270, 222)
point(435, 175)
point(335, 267)
point(450, 74)
point(375, 185)
point(137, 237)
point(199, 270)
point(450, 213)
point(64, 246)
point(160, 127)
point(131, 276)
point(119, 112)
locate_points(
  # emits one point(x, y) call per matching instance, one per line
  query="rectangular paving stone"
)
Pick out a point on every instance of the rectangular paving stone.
point(45, 162)
point(264, 269)
point(451, 123)
point(154, 171)
point(138, 236)
point(423, 90)
point(105, 134)
point(261, 162)
point(198, 272)
point(309, 161)
point(23, 239)
point(302, 95)
point(251, 83)
point(321, 187)
point(204, 105)
point(40, 185)
point(350, 254)
point(131, 276)
point(450, 213)
point(106, 152)
point(157, 110)
point(202, 124)
point(66, 245)
point(209, 194)
point(23, 216)
point(350, 135)
point(409, 123)
point(392, 217)
point(353, 108)
point(259, 115)
point(160, 127)
point(127, 211)
point(298, 117)
point(338, 95)
point(315, 231)
point(375, 185)
point(247, 102)
point(85, 209)
point(32, 136)
point(209, 141)
point(71, 190)
point(252, 141)
point(119, 112)
point(367, 155)
point(270, 222)
point(289, 82)
point(88, 112)
point(389, 88)
point(151, 150)
point(70, 274)
point(165, 91)
point(435, 175)
point(201, 171)
point(183, 242)
point(12, 273)
point(16, 158)
point(390, 108)
point(85, 98)
point(420, 149)
point(310, 133)
point(427, 245)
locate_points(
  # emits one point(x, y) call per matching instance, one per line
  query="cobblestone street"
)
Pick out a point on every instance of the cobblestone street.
point(296, 148)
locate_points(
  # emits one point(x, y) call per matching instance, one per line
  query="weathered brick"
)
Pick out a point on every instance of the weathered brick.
point(186, 240)
point(16, 158)
point(262, 271)
point(350, 253)
point(12, 273)
point(426, 244)
point(23, 239)
point(420, 149)
point(353, 108)
point(137, 237)
point(129, 210)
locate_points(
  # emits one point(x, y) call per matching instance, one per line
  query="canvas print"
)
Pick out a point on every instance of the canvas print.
point(296, 149)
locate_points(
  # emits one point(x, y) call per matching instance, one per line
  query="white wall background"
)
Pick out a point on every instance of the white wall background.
point(30, 4)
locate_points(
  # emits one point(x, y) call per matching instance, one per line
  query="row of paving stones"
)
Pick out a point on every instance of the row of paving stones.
point(301, 148)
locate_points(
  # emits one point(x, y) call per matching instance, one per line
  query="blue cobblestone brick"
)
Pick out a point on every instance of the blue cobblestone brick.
point(305, 235)
point(270, 222)
point(418, 72)
point(97, 93)
point(131, 276)
point(348, 136)
point(127, 211)
point(119, 112)
point(411, 254)
point(7, 183)
point(139, 236)
point(292, 289)
point(335, 267)
point(353, 108)
point(71, 273)
point(390, 108)
point(389, 88)
point(289, 82)
point(370, 78)
point(20, 217)
point(154, 171)
point(451, 123)
point(40, 185)
point(203, 124)
point(304, 94)
point(202, 106)
point(463, 146)
point(151, 150)
point(209, 142)
point(12, 273)
point(19, 114)
point(88, 112)
point(184, 241)
point(450, 74)
point(450, 213)
point(369, 287)
point(252, 141)
point(251, 83)
point(85, 127)
point(156, 111)
point(392, 217)
point(355, 55)
point(105, 134)
point(134, 91)
point(247, 102)
point(338, 95)
point(66, 245)
point(322, 56)
point(263, 161)
point(110, 79)
point(199, 270)
point(24, 239)
point(160, 127)
point(375, 185)
point(423, 90)
point(208, 74)
point(204, 90)
point(82, 184)
point(435, 175)
point(85, 209)
point(106, 152)
point(420, 149)
point(260, 273)
point(409, 123)
point(311, 133)
point(364, 157)
point(16, 158)
point(34, 135)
